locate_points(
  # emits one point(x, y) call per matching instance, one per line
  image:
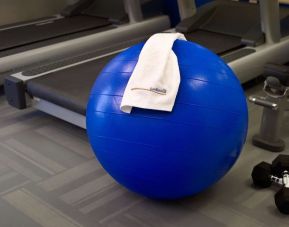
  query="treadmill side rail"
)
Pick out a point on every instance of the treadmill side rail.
point(97, 40)
point(60, 112)
point(15, 92)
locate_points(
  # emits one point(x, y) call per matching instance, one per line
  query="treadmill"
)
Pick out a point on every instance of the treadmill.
point(72, 20)
point(62, 88)
point(246, 35)
point(77, 27)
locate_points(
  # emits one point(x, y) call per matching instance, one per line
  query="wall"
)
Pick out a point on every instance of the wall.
point(12, 11)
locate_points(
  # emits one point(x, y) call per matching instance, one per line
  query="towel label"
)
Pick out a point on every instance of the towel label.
point(160, 91)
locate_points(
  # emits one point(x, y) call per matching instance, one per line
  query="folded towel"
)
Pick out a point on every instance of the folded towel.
point(155, 80)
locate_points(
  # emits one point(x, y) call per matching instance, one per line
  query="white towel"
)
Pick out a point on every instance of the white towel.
point(155, 80)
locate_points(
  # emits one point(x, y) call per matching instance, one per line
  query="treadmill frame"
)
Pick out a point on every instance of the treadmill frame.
point(275, 49)
point(60, 112)
point(136, 26)
point(17, 25)
point(246, 68)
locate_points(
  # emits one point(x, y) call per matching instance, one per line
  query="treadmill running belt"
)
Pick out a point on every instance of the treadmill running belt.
point(29, 34)
point(218, 43)
point(68, 88)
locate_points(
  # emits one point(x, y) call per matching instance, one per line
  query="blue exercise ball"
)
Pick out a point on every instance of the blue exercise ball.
point(169, 155)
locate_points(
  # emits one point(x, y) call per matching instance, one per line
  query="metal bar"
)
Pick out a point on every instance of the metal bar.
point(187, 8)
point(133, 8)
point(271, 124)
point(60, 112)
point(73, 46)
point(252, 65)
point(270, 20)
point(263, 102)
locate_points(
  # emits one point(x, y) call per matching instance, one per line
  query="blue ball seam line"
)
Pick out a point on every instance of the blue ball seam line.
point(143, 144)
point(182, 103)
point(127, 141)
point(137, 59)
point(182, 78)
point(160, 119)
point(190, 80)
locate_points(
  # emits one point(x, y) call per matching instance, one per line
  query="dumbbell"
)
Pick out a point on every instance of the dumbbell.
point(264, 174)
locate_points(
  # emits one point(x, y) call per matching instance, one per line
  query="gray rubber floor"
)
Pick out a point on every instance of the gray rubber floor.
point(49, 177)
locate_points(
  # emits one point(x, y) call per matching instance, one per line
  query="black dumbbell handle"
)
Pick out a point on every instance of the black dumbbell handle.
point(286, 179)
point(281, 181)
point(276, 180)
